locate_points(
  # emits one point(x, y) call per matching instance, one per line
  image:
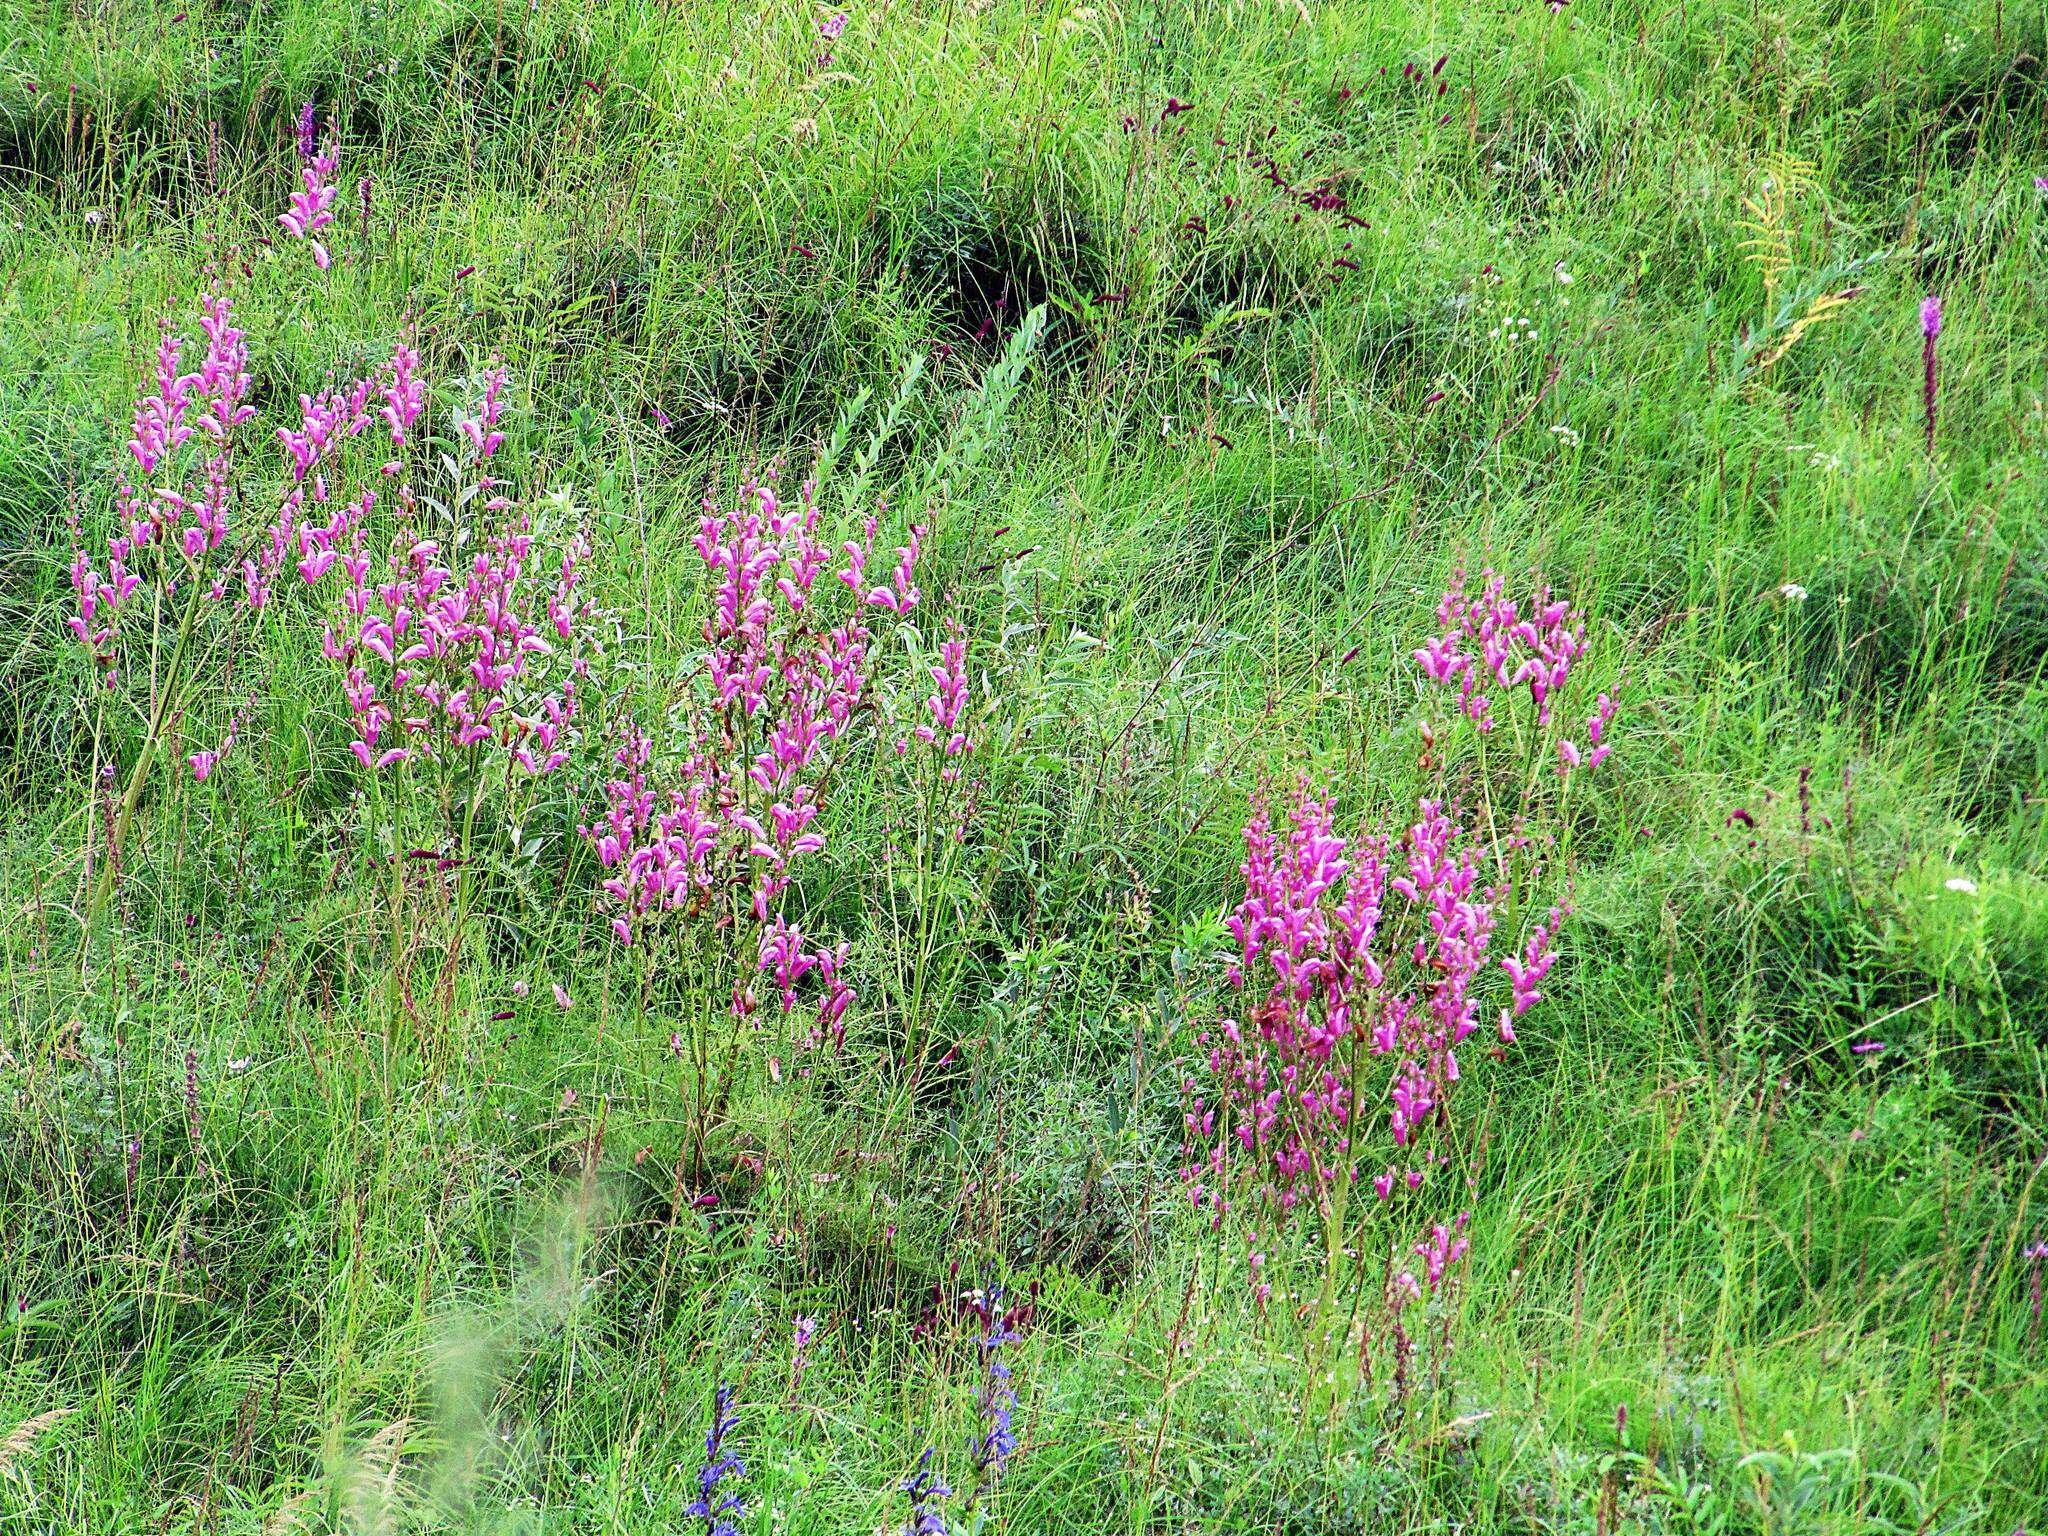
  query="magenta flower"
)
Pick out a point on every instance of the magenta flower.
point(312, 205)
point(1362, 964)
point(783, 685)
point(1491, 639)
point(947, 703)
point(1527, 971)
point(191, 504)
point(801, 1333)
point(1930, 333)
point(451, 653)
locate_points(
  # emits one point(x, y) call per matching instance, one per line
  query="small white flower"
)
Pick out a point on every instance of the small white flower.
point(1961, 886)
point(1561, 274)
point(1792, 592)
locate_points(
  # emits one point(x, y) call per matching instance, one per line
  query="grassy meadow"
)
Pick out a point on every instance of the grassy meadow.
point(355, 1176)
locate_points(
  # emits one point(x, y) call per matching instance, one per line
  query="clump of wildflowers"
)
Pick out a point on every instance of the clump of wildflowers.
point(702, 834)
point(1364, 964)
point(457, 625)
point(176, 539)
point(467, 635)
point(783, 689)
point(174, 532)
point(1489, 640)
point(454, 629)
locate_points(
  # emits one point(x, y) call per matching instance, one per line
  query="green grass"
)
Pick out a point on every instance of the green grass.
point(375, 1279)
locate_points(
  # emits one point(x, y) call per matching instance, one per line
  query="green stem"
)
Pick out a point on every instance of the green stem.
point(160, 714)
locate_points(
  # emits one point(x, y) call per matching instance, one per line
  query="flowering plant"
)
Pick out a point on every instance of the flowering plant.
point(1363, 966)
point(702, 832)
point(454, 620)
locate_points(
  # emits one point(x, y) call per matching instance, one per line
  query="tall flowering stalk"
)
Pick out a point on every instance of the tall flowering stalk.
point(1365, 964)
point(174, 540)
point(701, 834)
point(461, 641)
point(1930, 335)
point(312, 205)
point(991, 1448)
point(717, 1507)
point(802, 1331)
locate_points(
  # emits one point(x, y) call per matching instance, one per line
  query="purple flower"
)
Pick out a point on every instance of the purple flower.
point(925, 1490)
point(1930, 330)
point(312, 206)
point(709, 1507)
point(991, 1449)
point(832, 25)
point(800, 1352)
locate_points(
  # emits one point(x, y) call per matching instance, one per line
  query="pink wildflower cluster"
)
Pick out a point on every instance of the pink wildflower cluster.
point(468, 633)
point(444, 649)
point(1348, 955)
point(1490, 641)
point(783, 687)
point(312, 205)
point(945, 731)
point(1282, 1091)
point(182, 521)
point(1569, 754)
point(1364, 966)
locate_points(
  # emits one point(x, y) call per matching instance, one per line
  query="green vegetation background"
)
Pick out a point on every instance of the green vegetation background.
point(415, 1289)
